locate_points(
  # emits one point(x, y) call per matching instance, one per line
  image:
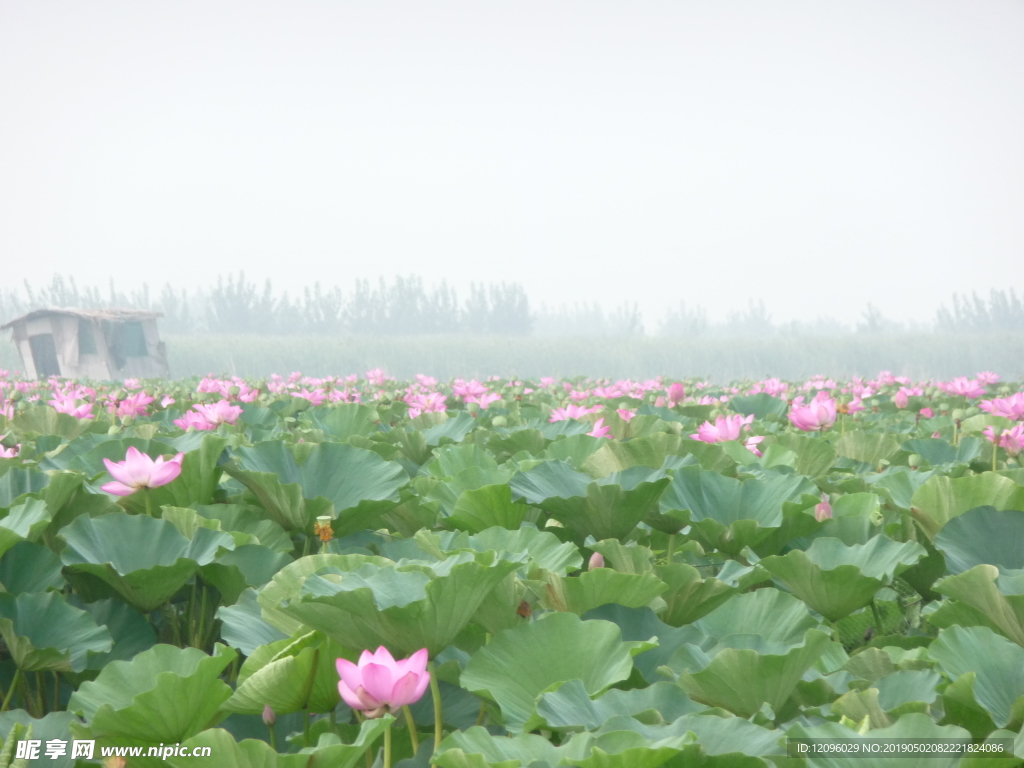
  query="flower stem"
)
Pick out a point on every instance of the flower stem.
point(995, 452)
point(435, 692)
point(878, 617)
point(10, 691)
point(414, 738)
point(273, 737)
point(149, 502)
point(387, 747)
point(670, 553)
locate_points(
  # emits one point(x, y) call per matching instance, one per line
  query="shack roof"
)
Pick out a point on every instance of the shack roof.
point(112, 315)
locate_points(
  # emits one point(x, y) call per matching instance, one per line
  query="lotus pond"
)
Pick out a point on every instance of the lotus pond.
point(561, 573)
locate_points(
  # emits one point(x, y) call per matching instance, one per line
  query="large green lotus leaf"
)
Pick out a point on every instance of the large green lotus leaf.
point(28, 567)
point(574, 450)
point(404, 608)
point(286, 679)
point(936, 451)
point(977, 591)
point(450, 460)
point(44, 633)
point(481, 508)
point(731, 514)
point(861, 705)
point(454, 429)
point(815, 457)
point(907, 685)
point(910, 726)
point(249, 522)
point(625, 557)
point(555, 649)
point(604, 510)
point(359, 483)
point(617, 456)
point(730, 742)
point(329, 752)
point(899, 484)
point(856, 517)
point(287, 584)
point(165, 694)
point(526, 544)
point(760, 405)
point(641, 625)
point(343, 420)
point(983, 535)
point(689, 597)
point(243, 626)
point(773, 615)
point(998, 666)
point(477, 748)
point(18, 481)
point(44, 420)
point(836, 580)
point(449, 491)
point(942, 498)
point(743, 679)
point(24, 522)
point(247, 566)
point(131, 632)
point(869, 447)
point(144, 559)
point(579, 594)
point(571, 708)
point(55, 725)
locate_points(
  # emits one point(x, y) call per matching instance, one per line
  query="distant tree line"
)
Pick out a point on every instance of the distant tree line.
point(406, 306)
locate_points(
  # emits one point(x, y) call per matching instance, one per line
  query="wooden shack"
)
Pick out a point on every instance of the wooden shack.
point(90, 343)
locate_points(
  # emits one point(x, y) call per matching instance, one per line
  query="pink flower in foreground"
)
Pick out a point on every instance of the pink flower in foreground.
point(599, 430)
point(724, 428)
point(1010, 439)
point(625, 414)
point(139, 471)
point(823, 511)
point(379, 684)
point(928, 413)
point(9, 453)
point(751, 444)
point(820, 413)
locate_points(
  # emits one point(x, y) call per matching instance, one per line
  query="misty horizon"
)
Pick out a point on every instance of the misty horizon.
point(813, 158)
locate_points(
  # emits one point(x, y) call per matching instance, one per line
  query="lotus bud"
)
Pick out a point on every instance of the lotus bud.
point(973, 410)
point(269, 716)
point(499, 421)
point(322, 528)
point(959, 414)
point(596, 561)
point(233, 391)
point(914, 460)
point(823, 511)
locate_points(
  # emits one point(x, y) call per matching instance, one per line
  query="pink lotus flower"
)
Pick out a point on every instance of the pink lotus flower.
point(961, 385)
point(1010, 439)
point(483, 400)
point(166, 400)
point(193, 420)
point(625, 414)
point(67, 405)
point(724, 428)
point(855, 405)
point(676, 393)
point(221, 412)
point(9, 453)
point(819, 414)
point(379, 684)
point(599, 430)
point(572, 412)
point(751, 444)
point(987, 377)
point(316, 397)
point(139, 471)
point(823, 511)
point(928, 413)
point(902, 397)
point(133, 406)
point(1011, 407)
point(596, 561)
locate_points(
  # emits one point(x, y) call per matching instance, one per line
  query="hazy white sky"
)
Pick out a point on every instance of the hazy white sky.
point(816, 155)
